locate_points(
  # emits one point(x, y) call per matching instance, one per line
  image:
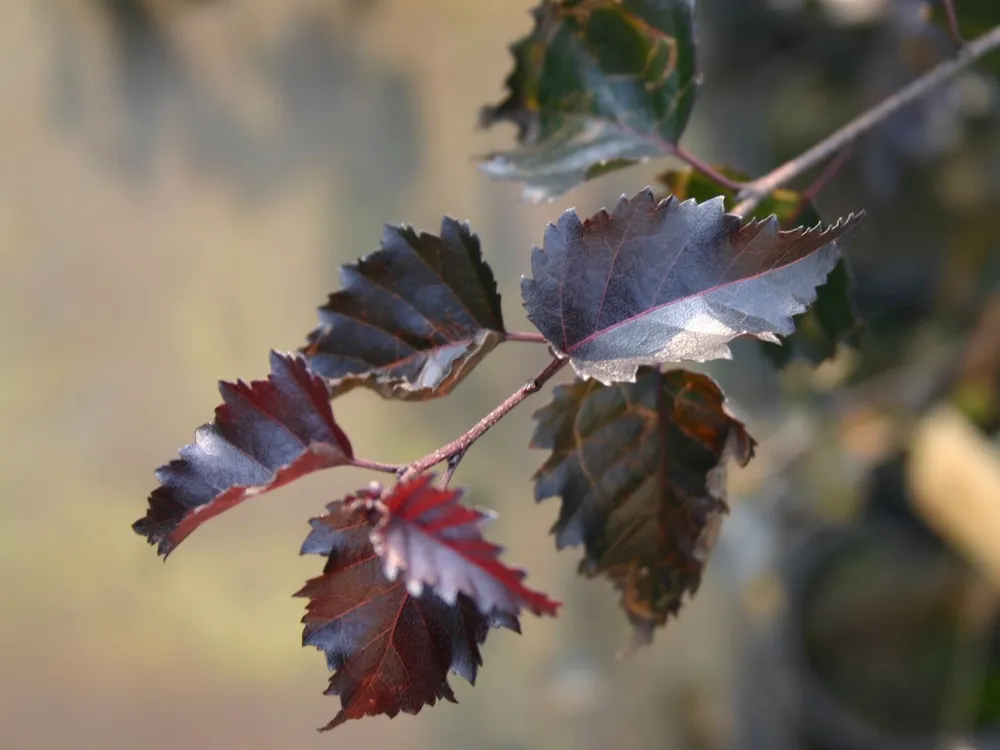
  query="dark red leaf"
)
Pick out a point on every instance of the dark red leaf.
point(414, 317)
point(391, 651)
point(640, 468)
point(667, 281)
point(432, 540)
point(265, 434)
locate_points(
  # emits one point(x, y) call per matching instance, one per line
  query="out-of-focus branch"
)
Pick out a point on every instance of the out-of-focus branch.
point(755, 191)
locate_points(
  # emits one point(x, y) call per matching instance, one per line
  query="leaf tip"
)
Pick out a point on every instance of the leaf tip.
point(415, 587)
point(335, 722)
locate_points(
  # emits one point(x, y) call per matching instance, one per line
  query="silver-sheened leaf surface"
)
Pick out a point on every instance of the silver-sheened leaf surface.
point(670, 281)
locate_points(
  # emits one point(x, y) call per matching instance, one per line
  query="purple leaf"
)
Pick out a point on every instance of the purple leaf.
point(670, 281)
point(414, 317)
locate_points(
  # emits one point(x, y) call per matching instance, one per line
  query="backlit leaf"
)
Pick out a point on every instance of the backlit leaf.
point(391, 651)
point(831, 320)
point(640, 468)
point(597, 85)
point(265, 435)
point(413, 318)
point(427, 537)
point(670, 281)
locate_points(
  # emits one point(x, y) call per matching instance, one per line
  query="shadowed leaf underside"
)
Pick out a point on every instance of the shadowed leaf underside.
point(640, 469)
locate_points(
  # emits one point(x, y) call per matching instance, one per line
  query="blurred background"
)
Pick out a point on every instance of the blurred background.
point(180, 182)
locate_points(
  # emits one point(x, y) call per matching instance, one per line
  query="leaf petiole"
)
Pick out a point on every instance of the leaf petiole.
point(362, 463)
point(455, 451)
point(461, 444)
point(706, 169)
point(530, 337)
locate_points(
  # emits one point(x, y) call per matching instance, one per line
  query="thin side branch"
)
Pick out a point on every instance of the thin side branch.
point(453, 463)
point(459, 446)
point(455, 451)
point(754, 192)
point(706, 169)
point(362, 463)
point(528, 336)
point(830, 171)
point(816, 186)
point(953, 30)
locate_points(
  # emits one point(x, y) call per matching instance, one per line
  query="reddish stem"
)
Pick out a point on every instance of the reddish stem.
point(461, 445)
point(362, 463)
point(706, 169)
point(529, 336)
point(816, 186)
point(830, 171)
point(455, 451)
point(952, 16)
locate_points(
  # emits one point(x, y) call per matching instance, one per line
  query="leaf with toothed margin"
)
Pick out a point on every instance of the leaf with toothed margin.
point(391, 651)
point(597, 85)
point(832, 319)
point(265, 435)
point(667, 281)
point(428, 538)
point(413, 319)
point(640, 468)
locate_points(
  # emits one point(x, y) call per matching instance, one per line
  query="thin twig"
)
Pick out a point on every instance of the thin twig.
point(830, 171)
point(691, 160)
point(529, 336)
point(754, 191)
point(362, 463)
point(706, 169)
point(461, 444)
point(453, 463)
point(455, 451)
point(953, 30)
point(816, 187)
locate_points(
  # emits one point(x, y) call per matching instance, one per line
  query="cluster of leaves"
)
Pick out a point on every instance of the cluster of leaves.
point(597, 85)
point(410, 588)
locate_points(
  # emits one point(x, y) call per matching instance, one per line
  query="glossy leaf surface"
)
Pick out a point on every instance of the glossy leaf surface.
point(265, 434)
point(596, 85)
point(831, 320)
point(413, 318)
point(670, 281)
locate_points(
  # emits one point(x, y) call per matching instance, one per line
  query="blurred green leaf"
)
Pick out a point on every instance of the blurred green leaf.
point(596, 86)
point(640, 468)
point(831, 319)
